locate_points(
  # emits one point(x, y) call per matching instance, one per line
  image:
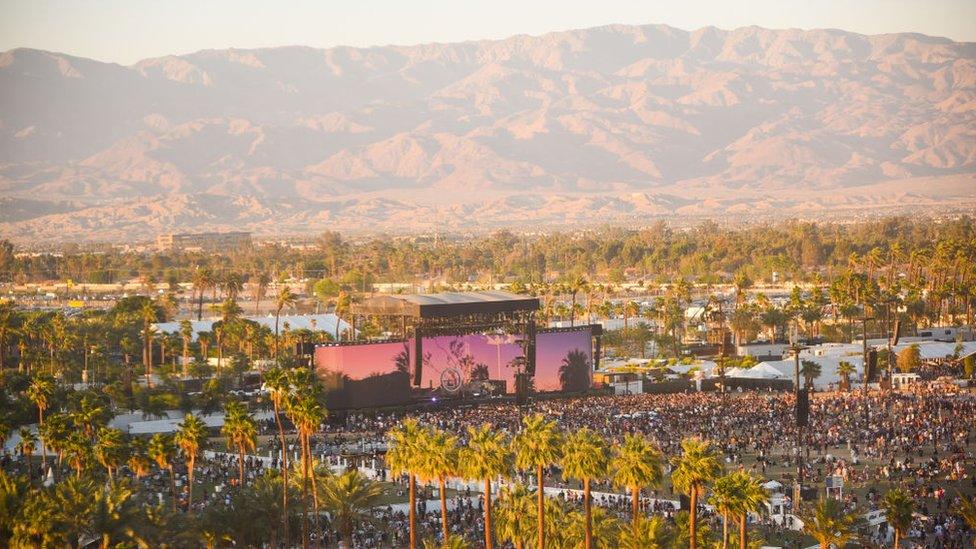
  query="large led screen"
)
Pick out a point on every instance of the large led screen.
point(452, 364)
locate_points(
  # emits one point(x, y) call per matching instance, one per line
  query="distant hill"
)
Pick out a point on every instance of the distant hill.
point(616, 124)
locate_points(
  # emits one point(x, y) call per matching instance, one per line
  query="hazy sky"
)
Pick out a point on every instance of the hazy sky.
point(125, 31)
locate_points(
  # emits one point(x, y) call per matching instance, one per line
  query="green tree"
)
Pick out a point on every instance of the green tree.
point(191, 436)
point(285, 298)
point(162, 450)
point(537, 446)
point(645, 533)
point(899, 506)
point(404, 455)
point(26, 446)
point(111, 450)
point(486, 456)
point(241, 433)
point(586, 457)
point(40, 391)
point(829, 524)
point(697, 466)
point(515, 515)
point(439, 460)
point(636, 465)
point(349, 498)
point(909, 359)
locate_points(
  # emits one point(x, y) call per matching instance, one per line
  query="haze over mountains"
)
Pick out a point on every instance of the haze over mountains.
point(616, 124)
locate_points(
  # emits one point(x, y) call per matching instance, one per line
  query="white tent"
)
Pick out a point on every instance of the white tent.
point(763, 370)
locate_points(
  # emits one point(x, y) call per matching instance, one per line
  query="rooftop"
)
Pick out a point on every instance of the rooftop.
point(447, 304)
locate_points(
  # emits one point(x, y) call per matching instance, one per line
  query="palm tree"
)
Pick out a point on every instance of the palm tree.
point(403, 455)
point(138, 462)
point(514, 515)
point(645, 533)
point(279, 391)
point(162, 450)
point(284, 299)
point(967, 511)
point(39, 392)
point(439, 459)
point(698, 466)
point(844, 370)
point(586, 457)
point(810, 371)
point(898, 506)
point(241, 432)
point(149, 313)
point(260, 289)
point(735, 496)
point(350, 497)
point(26, 446)
point(577, 285)
point(186, 335)
point(190, 437)
point(537, 446)
point(829, 524)
point(342, 305)
point(110, 450)
point(486, 456)
point(637, 464)
point(202, 279)
point(307, 415)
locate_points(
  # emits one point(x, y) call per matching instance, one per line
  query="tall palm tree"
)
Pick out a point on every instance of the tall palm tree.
point(829, 524)
point(403, 455)
point(162, 450)
point(845, 369)
point(637, 464)
point(40, 391)
point(285, 298)
point(754, 497)
point(191, 437)
point(537, 446)
point(697, 466)
point(586, 457)
point(149, 313)
point(110, 450)
point(899, 506)
point(279, 391)
point(486, 456)
point(186, 335)
point(202, 280)
point(349, 498)
point(438, 461)
point(138, 462)
point(241, 433)
point(260, 289)
point(26, 446)
point(306, 414)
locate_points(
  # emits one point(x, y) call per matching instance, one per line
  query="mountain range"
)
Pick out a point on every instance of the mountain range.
point(615, 124)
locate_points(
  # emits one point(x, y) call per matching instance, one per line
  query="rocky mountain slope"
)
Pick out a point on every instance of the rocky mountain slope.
point(616, 124)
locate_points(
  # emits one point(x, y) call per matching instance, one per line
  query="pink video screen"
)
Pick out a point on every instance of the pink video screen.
point(564, 360)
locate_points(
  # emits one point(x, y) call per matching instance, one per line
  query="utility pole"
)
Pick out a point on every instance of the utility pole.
point(864, 359)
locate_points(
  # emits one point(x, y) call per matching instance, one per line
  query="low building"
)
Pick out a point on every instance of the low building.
point(203, 241)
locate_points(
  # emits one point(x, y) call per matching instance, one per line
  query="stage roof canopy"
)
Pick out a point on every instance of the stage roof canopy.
point(445, 305)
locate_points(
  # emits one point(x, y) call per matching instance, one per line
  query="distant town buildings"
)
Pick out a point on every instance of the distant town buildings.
point(202, 241)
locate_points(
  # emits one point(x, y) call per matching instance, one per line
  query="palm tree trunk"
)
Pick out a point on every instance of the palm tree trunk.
point(413, 510)
point(172, 484)
point(189, 497)
point(743, 533)
point(635, 503)
point(725, 530)
point(693, 520)
point(240, 464)
point(284, 472)
point(304, 494)
point(898, 539)
point(588, 513)
point(488, 543)
point(541, 508)
point(447, 531)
